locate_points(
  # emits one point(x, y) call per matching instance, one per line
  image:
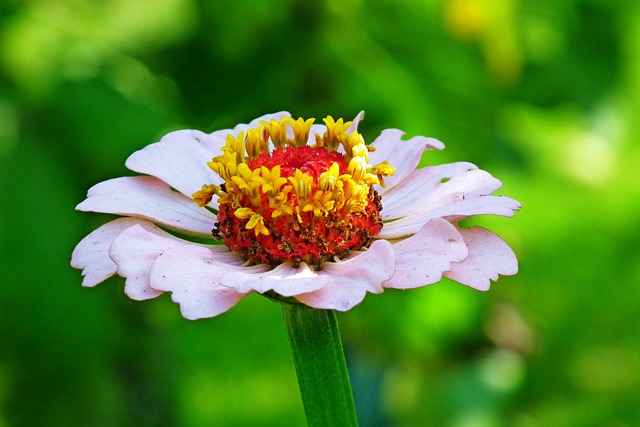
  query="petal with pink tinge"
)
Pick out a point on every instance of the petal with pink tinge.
point(489, 256)
point(352, 278)
point(91, 255)
point(134, 251)
point(454, 207)
point(192, 275)
point(356, 121)
point(424, 187)
point(424, 257)
point(404, 155)
point(179, 159)
point(284, 280)
point(149, 198)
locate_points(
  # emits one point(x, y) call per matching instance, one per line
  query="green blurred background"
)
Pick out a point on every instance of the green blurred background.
point(545, 95)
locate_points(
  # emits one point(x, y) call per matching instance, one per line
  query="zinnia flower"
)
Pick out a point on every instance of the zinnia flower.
point(306, 212)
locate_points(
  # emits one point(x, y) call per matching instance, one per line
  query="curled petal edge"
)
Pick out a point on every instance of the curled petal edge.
point(351, 279)
point(489, 257)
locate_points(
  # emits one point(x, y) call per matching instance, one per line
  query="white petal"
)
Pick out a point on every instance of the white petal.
point(402, 154)
point(454, 207)
point(425, 191)
point(179, 159)
point(425, 186)
point(422, 258)
point(284, 280)
point(149, 198)
point(356, 121)
point(489, 256)
point(316, 129)
point(352, 278)
point(191, 273)
point(134, 251)
point(91, 255)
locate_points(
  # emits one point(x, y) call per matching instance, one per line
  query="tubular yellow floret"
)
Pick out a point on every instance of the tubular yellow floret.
point(357, 168)
point(256, 222)
point(271, 181)
point(335, 135)
point(257, 142)
point(327, 180)
point(301, 129)
point(203, 196)
point(277, 130)
point(354, 146)
point(235, 145)
point(302, 186)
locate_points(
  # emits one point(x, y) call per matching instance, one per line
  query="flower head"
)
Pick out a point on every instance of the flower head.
point(299, 208)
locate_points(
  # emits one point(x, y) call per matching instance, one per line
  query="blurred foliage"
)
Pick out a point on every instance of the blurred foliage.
point(545, 95)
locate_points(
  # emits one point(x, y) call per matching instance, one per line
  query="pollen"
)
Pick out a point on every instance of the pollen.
point(289, 198)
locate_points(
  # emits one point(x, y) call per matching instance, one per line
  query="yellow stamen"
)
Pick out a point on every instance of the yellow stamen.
point(257, 142)
point(327, 179)
point(302, 186)
point(277, 130)
point(256, 222)
point(301, 129)
point(203, 196)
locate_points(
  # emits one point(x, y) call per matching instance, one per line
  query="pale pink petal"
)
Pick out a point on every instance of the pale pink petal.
point(284, 280)
point(149, 198)
point(134, 251)
point(426, 188)
point(489, 256)
point(352, 278)
point(179, 159)
point(356, 121)
point(422, 258)
point(191, 273)
point(454, 207)
point(91, 255)
point(316, 129)
point(423, 186)
point(402, 154)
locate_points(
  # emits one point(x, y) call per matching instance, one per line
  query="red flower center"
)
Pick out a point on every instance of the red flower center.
point(297, 203)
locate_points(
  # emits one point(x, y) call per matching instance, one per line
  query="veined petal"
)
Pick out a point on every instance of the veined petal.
point(402, 154)
point(489, 256)
point(134, 251)
point(352, 278)
point(179, 159)
point(149, 198)
point(425, 188)
point(284, 280)
point(454, 207)
point(192, 274)
point(424, 257)
point(91, 254)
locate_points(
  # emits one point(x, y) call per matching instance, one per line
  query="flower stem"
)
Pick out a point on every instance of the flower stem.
point(320, 366)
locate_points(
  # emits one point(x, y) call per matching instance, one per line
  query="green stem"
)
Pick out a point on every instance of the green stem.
point(320, 366)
